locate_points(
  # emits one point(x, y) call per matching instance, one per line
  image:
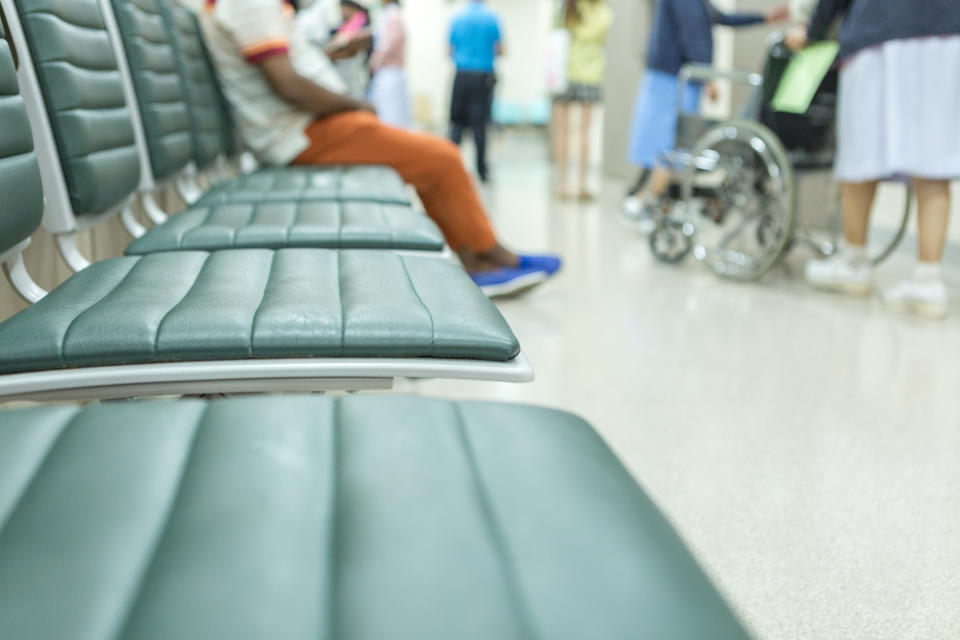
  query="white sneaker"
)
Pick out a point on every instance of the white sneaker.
point(638, 214)
point(920, 298)
point(837, 274)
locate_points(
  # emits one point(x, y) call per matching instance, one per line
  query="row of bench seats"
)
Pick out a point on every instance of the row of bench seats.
point(350, 518)
point(296, 308)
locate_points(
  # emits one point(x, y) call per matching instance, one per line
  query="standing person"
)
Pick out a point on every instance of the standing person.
point(388, 89)
point(350, 47)
point(682, 33)
point(898, 114)
point(475, 44)
point(588, 22)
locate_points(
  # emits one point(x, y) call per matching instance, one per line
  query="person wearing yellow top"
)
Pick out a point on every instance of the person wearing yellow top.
point(588, 22)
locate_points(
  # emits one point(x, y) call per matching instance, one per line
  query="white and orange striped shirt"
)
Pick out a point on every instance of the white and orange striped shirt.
point(242, 33)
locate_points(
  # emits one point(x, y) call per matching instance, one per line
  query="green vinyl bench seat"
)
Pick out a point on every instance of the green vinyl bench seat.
point(259, 304)
point(371, 183)
point(274, 225)
point(354, 518)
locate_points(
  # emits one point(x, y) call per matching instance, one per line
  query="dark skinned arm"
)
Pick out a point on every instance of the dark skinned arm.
point(303, 93)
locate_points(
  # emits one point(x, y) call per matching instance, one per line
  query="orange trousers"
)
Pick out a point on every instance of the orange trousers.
point(431, 164)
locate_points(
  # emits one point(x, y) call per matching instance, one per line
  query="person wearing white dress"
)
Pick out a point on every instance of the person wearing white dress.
point(898, 116)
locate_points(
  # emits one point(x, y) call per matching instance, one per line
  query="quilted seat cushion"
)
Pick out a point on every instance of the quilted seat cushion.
point(358, 518)
point(274, 225)
point(365, 183)
point(249, 303)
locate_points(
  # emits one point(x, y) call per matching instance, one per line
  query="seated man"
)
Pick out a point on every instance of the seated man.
point(290, 107)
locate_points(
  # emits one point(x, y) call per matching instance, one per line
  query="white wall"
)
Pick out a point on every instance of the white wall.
point(526, 25)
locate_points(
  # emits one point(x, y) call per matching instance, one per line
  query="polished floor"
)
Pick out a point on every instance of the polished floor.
point(806, 446)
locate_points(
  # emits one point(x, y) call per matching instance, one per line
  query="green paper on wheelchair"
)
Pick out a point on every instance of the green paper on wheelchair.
point(803, 76)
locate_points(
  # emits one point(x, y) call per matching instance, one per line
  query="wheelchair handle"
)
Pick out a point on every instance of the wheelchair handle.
point(706, 73)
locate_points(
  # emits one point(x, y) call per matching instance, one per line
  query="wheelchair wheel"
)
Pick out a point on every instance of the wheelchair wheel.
point(753, 180)
point(671, 240)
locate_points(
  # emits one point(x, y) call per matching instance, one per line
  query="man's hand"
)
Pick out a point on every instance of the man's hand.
point(779, 13)
point(796, 38)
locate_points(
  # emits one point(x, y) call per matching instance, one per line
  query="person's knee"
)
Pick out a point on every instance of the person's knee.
point(447, 153)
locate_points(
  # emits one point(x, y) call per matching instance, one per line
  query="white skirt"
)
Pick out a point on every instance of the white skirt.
point(899, 111)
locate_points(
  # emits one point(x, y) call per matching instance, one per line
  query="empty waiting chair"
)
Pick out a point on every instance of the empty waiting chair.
point(196, 322)
point(358, 518)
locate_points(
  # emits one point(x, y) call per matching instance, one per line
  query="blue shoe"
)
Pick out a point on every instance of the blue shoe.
point(508, 281)
point(547, 263)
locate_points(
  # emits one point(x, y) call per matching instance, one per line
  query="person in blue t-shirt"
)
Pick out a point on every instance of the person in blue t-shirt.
point(475, 44)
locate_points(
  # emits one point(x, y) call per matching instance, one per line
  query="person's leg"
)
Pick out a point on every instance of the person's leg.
point(924, 293)
point(458, 104)
point(456, 133)
point(659, 181)
point(560, 126)
point(480, 119)
point(857, 203)
point(849, 271)
point(933, 206)
point(586, 117)
point(431, 164)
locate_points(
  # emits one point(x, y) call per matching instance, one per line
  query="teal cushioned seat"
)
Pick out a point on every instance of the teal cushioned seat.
point(78, 76)
point(356, 518)
point(292, 303)
point(275, 225)
point(156, 78)
point(21, 194)
point(364, 183)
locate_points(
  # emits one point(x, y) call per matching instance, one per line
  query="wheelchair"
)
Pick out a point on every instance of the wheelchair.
point(734, 203)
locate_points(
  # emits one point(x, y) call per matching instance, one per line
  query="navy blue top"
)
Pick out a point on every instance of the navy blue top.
point(474, 36)
point(868, 23)
point(682, 32)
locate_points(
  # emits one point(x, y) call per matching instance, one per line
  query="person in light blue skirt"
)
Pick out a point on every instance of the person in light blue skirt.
point(681, 34)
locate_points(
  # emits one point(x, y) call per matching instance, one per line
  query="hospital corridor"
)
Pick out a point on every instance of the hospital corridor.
point(479, 319)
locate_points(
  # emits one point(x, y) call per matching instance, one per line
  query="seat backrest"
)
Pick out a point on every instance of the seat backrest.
point(198, 81)
point(81, 88)
point(21, 194)
point(157, 85)
point(232, 145)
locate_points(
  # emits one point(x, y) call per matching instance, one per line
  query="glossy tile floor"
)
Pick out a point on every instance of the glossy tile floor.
point(806, 446)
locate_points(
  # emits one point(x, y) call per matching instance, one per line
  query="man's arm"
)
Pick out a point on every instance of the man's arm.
point(304, 93)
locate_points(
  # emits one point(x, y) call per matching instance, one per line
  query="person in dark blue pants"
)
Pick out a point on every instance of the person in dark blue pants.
point(475, 44)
